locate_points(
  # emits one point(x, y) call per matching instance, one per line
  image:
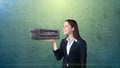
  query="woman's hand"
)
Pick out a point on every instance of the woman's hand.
point(51, 40)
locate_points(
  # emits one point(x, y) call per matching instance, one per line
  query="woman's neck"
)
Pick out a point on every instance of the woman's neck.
point(70, 37)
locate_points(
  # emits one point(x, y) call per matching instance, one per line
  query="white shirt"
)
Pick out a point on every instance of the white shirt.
point(69, 44)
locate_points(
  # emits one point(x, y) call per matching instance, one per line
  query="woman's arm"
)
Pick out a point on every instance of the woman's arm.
point(57, 51)
point(55, 46)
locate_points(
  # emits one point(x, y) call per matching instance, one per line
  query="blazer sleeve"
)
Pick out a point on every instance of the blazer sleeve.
point(83, 54)
point(59, 52)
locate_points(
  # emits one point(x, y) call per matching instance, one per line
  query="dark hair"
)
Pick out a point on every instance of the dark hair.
point(73, 23)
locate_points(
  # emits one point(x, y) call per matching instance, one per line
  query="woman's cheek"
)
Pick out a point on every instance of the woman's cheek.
point(65, 32)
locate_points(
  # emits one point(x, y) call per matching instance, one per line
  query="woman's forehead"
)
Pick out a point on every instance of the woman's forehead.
point(66, 23)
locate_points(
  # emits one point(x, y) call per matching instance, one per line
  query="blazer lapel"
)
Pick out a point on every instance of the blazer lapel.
point(72, 47)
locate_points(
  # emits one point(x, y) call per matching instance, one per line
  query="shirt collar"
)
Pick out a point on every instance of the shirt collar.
point(72, 39)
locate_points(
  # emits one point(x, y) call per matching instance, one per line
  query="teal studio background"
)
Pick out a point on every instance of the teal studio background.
point(99, 25)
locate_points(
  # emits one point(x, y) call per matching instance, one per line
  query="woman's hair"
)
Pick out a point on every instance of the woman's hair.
point(73, 23)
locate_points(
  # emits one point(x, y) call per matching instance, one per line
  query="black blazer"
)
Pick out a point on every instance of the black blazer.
point(77, 55)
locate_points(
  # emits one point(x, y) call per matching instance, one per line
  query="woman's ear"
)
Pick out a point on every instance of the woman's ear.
point(73, 28)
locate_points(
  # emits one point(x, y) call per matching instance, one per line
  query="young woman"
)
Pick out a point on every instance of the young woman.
point(73, 49)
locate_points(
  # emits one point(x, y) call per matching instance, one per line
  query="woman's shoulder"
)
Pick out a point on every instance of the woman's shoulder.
point(63, 40)
point(81, 41)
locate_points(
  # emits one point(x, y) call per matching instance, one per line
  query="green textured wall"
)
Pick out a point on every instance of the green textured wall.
point(98, 20)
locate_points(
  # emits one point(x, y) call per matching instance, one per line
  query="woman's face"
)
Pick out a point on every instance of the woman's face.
point(67, 28)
